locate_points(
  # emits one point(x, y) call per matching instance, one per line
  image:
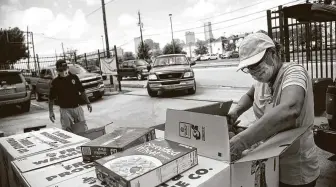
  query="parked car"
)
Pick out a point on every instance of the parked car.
point(231, 54)
point(205, 57)
point(14, 90)
point(170, 73)
point(213, 57)
point(92, 82)
point(134, 68)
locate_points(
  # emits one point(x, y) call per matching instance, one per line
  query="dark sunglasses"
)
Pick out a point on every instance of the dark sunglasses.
point(255, 66)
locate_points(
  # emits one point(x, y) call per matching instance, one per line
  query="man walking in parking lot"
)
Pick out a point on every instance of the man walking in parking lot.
point(69, 92)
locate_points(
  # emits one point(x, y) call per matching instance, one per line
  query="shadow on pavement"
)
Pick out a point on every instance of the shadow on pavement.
point(16, 110)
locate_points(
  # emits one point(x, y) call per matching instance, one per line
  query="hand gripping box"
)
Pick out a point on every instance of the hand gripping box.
point(38, 161)
point(27, 144)
point(146, 165)
point(118, 140)
point(206, 129)
point(53, 175)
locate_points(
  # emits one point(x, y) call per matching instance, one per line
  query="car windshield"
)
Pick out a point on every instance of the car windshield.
point(10, 78)
point(76, 69)
point(170, 61)
point(140, 63)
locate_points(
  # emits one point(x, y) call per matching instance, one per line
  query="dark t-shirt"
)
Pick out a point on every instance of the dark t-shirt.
point(67, 91)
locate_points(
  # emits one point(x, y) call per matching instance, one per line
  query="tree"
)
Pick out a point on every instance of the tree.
point(128, 56)
point(201, 48)
point(12, 47)
point(143, 51)
point(168, 48)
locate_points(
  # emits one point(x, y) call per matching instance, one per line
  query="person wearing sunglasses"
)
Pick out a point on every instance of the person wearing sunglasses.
point(69, 92)
point(282, 99)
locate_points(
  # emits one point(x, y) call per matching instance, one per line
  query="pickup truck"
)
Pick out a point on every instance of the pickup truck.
point(171, 73)
point(92, 82)
point(134, 68)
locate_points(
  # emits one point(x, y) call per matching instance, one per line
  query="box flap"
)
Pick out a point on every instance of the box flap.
point(275, 145)
point(208, 133)
point(218, 108)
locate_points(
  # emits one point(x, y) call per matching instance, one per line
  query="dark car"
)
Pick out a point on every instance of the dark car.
point(134, 68)
point(170, 73)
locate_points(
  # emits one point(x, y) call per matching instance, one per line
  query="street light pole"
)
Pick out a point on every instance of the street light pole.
point(171, 25)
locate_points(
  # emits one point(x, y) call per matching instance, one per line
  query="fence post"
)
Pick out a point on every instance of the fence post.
point(117, 63)
point(85, 61)
point(38, 63)
point(101, 73)
point(269, 23)
point(75, 56)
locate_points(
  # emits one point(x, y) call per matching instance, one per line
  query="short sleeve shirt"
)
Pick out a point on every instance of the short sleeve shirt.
point(299, 163)
point(67, 91)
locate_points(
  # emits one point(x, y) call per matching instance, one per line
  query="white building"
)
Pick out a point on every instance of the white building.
point(188, 49)
point(208, 31)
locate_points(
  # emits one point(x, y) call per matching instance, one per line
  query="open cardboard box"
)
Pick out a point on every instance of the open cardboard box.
point(206, 129)
point(23, 145)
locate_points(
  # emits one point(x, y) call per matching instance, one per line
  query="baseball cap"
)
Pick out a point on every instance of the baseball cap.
point(61, 64)
point(253, 48)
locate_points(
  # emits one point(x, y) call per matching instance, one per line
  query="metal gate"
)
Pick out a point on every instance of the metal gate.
point(311, 44)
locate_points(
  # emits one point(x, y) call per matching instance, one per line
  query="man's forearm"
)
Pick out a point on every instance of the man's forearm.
point(51, 105)
point(243, 105)
point(85, 98)
point(276, 120)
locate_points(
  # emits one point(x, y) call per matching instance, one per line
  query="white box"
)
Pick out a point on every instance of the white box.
point(27, 144)
point(27, 164)
point(208, 173)
point(52, 175)
point(209, 134)
point(88, 179)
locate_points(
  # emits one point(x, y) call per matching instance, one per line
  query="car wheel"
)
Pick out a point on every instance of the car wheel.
point(38, 96)
point(151, 92)
point(25, 107)
point(192, 90)
point(99, 95)
point(139, 76)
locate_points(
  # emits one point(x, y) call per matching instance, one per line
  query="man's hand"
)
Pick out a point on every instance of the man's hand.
point(52, 116)
point(232, 117)
point(237, 146)
point(89, 107)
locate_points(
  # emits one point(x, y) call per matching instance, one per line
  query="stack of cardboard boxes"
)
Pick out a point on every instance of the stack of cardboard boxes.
point(192, 151)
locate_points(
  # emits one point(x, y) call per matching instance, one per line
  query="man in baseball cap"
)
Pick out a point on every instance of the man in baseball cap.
point(69, 92)
point(282, 99)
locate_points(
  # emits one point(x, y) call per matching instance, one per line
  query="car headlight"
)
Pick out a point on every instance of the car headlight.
point(188, 74)
point(152, 77)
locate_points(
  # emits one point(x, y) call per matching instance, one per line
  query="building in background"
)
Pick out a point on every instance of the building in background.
point(137, 41)
point(208, 31)
point(190, 38)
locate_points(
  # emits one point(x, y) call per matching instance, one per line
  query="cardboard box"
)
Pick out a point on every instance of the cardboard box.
point(116, 141)
point(88, 179)
point(27, 164)
point(208, 173)
point(209, 134)
point(27, 144)
point(52, 175)
point(148, 164)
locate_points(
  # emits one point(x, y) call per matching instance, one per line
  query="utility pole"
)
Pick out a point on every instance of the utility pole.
point(140, 25)
point(105, 30)
point(32, 35)
point(28, 66)
point(63, 51)
point(171, 25)
point(190, 48)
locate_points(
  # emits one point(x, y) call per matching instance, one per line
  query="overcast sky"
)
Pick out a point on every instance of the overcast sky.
point(68, 21)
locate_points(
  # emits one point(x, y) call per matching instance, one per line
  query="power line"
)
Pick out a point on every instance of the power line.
point(246, 15)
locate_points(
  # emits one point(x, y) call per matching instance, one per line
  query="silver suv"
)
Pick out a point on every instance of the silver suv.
point(14, 90)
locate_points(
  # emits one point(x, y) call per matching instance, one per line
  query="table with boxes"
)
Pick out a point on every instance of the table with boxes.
point(193, 151)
